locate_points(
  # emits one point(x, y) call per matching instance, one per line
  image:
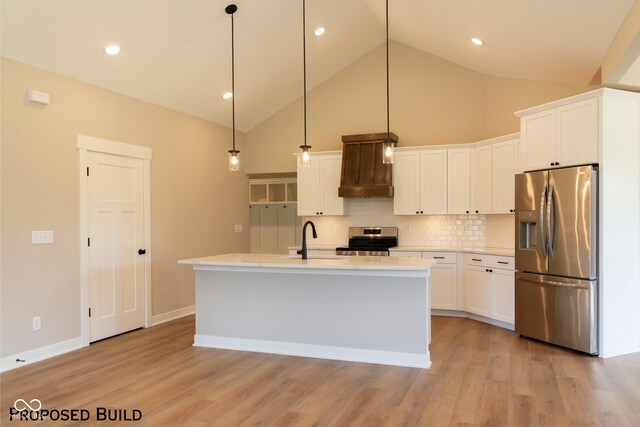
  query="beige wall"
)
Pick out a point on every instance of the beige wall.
point(505, 96)
point(195, 201)
point(433, 101)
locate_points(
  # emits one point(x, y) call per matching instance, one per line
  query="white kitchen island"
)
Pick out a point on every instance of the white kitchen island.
point(364, 309)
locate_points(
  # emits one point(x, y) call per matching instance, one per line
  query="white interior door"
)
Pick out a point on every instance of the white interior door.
point(116, 273)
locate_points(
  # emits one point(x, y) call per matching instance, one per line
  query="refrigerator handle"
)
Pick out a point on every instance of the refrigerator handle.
point(552, 203)
point(543, 199)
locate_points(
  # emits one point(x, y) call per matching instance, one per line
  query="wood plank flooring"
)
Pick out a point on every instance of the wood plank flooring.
point(481, 375)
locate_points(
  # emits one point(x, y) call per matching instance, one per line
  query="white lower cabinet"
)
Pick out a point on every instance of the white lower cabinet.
point(489, 286)
point(443, 286)
point(503, 291)
point(478, 288)
point(444, 283)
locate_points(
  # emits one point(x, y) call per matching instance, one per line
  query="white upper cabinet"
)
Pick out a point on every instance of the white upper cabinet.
point(483, 184)
point(433, 176)
point(578, 133)
point(459, 174)
point(495, 168)
point(562, 136)
point(504, 160)
point(420, 182)
point(318, 186)
point(406, 182)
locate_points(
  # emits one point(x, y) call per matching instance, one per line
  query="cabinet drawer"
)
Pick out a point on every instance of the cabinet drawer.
point(490, 261)
point(504, 262)
point(441, 257)
point(406, 254)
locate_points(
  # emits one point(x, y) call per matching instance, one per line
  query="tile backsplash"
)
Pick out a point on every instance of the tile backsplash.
point(444, 231)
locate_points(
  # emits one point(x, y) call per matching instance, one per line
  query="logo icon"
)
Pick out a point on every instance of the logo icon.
point(35, 402)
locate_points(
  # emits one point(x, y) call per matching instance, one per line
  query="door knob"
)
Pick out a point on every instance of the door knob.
point(142, 251)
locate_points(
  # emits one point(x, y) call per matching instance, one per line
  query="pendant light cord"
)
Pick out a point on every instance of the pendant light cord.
point(304, 66)
point(233, 87)
point(387, 25)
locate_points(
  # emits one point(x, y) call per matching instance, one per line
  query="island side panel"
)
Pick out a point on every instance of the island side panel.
point(369, 318)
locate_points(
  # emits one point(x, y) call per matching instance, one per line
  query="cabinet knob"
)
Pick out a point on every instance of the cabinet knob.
point(467, 211)
point(486, 269)
point(320, 213)
point(317, 213)
point(142, 251)
point(417, 212)
point(421, 212)
point(551, 164)
point(477, 212)
point(557, 163)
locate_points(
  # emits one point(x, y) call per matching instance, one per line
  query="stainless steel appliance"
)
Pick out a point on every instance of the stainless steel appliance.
point(370, 241)
point(556, 280)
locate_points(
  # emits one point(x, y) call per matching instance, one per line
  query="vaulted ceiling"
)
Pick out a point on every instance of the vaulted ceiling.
point(177, 54)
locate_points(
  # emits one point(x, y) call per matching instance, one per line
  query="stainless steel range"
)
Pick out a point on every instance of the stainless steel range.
point(370, 241)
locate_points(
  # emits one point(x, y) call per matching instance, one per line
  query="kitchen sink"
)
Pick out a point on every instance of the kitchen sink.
point(314, 257)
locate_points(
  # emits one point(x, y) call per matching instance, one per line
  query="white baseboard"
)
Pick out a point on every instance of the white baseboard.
point(457, 313)
point(412, 360)
point(38, 354)
point(172, 315)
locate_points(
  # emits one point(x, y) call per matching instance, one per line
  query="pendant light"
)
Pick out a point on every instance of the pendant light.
point(388, 146)
point(306, 155)
point(234, 155)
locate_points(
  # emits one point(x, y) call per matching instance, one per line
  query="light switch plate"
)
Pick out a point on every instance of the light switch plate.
point(238, 228)
point(41, 237)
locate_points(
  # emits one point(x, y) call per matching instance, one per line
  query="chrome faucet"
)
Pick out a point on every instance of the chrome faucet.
point(303, 251)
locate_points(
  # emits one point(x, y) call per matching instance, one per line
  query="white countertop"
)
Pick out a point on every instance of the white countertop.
point(488, 251)
point(283, 261)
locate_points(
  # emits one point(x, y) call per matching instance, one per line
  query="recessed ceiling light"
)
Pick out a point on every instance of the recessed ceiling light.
point(319, 31)
point(227, 95)
point(477, 41)
point(112, 49)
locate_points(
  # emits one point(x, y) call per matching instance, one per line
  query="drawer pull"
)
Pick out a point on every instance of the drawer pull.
point(503, 262)
point(438, 257)
point(475, 259)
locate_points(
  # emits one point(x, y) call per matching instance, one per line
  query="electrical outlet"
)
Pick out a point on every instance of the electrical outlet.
point(41, 237)
point(37, 323)
point(238, 228)
point(407, 228)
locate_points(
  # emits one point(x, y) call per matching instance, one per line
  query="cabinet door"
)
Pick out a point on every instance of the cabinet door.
point(330, 203)
point(478, 290)
point(458, 172)
point(484, 179)
point(288, 226)
point(443, 287)
point(502, 288)
point(578, 133)
point(264, 229)
point(538, 148)
point(309, 188)
point(406, 183)
point(504, 174)
point(433, 182)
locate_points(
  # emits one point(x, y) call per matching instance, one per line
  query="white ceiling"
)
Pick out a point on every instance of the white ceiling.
point(177, 53)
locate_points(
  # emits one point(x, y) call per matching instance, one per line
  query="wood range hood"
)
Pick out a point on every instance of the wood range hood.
point(363, 173)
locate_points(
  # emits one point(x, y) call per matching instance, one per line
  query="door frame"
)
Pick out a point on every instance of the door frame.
point(86, 144)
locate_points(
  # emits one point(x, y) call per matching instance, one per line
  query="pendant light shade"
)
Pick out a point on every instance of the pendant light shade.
point(234, 160)
point(306, 154)
point(388, 147)
point(234, 155)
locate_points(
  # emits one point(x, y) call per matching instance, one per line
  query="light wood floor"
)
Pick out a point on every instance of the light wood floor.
point(481, 375)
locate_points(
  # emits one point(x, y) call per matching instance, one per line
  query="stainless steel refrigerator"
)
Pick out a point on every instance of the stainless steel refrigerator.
point(556, 282)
